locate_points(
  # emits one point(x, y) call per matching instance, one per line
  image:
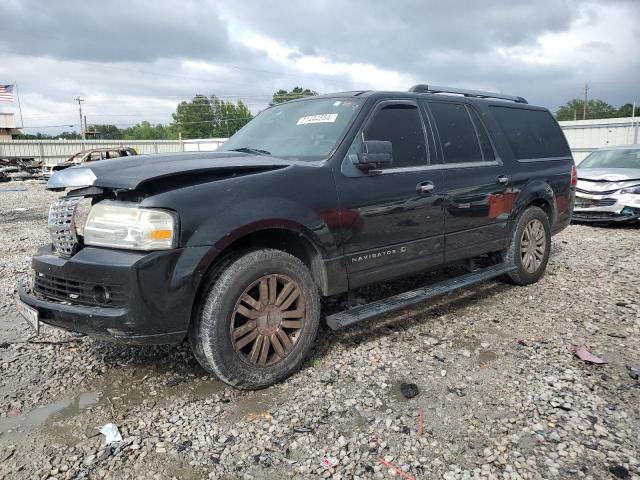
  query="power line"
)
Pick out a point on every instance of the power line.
point(217, 119)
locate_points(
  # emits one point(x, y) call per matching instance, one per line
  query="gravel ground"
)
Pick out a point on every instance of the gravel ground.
point(498, 392)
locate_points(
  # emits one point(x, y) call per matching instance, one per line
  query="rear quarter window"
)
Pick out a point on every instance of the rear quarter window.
point(532, 134)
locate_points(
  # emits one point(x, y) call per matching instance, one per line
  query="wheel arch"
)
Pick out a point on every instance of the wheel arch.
point(537, 194)
point(288, 237)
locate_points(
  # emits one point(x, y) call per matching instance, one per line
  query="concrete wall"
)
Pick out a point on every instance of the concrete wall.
point(56, 151)
point(584, 136)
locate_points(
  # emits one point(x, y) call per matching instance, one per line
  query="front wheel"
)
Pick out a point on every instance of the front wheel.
point(529, 247)
point(258, 321)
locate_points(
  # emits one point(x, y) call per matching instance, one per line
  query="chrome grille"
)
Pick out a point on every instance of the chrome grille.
point(62, 227)
point(594, 202)
point(595, 192)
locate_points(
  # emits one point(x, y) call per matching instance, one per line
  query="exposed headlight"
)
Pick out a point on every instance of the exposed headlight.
point(125, 225)
point(631, 190)
point(83, 207)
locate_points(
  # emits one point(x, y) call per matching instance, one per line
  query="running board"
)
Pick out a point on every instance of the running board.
point(361, 313)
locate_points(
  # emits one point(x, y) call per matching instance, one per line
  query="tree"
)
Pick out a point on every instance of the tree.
point(229, 117)
point(210, 117)
point(282, 96)
point(574, 110)
point(626, 110)
point(145, 131)
point(103, 132)
point(69, 136)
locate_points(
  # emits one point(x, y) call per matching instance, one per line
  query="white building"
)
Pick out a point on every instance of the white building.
point(584, 136)
point(8, 127)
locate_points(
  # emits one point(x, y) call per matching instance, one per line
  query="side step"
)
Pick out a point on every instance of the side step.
point(361, 313)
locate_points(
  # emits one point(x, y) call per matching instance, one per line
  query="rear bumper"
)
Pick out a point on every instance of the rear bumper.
point(159, 289)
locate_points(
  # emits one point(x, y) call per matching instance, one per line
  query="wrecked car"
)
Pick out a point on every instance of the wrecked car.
point(19, 168)
point(608, 187)
point(86, 156)
point(233, 249)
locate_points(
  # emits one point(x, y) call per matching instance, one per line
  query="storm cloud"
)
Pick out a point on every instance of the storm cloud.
point(136, 60)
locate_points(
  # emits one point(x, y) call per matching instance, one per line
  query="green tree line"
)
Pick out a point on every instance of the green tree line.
point(574, 110)
point(201, 117)
point(211, 117)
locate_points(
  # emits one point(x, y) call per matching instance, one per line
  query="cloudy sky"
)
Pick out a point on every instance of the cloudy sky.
point(134, 60)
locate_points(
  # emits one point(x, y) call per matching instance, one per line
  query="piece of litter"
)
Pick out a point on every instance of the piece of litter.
point(409, 390)
point(529, 342)
point(585, 355)
point(20, 209)
point(400, 472)
point(420, 422)
point(302, 429)
point(111, 433)
point(328, 462)
point(252, 417)
point(6, 455)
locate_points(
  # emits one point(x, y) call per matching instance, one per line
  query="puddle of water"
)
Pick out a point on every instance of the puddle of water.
point(60, 410)
point(208, 389)
point(486, 356)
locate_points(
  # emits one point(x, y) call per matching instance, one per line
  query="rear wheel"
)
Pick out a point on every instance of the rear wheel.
point(258, 321)
point(530, 246)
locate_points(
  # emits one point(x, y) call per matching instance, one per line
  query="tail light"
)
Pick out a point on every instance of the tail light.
point(574, 176)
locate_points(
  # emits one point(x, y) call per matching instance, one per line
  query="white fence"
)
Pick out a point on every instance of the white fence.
point(56, 151)
point(584, 136)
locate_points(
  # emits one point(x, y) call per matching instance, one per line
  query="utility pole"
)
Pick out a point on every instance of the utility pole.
point(586, 94)
point(80, 100)
point(634, 124)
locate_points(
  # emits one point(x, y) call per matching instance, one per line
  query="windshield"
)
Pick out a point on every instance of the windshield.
point(77, 158)
point(304, 130)
point(613, 159)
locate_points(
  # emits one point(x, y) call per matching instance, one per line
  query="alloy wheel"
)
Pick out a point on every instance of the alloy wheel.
point(267, 320)
point(533, 245)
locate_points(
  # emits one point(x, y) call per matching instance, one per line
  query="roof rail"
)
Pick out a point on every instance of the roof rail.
point(423, 88)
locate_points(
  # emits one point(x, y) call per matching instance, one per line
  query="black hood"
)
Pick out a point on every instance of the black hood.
point(130, 172)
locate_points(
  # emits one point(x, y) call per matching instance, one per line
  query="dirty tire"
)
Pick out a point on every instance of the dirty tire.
point(211, 337)
point(535, 217)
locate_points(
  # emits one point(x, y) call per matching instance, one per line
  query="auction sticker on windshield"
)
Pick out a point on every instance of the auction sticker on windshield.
point(323, 118)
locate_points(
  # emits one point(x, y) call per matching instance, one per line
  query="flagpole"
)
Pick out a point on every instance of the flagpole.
point(15, 85)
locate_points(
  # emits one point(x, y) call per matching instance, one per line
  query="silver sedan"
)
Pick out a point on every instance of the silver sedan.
point(608, 187)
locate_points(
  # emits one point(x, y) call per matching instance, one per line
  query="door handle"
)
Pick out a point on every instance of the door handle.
point(502, 180)
point(425, 188)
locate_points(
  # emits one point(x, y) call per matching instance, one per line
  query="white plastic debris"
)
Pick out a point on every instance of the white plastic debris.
point(111, 433)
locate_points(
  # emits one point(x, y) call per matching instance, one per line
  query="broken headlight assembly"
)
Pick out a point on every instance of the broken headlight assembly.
point(125, 225)
point(635, 190)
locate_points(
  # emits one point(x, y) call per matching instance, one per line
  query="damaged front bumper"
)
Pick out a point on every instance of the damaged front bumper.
point(123, 296)
point(606, 209)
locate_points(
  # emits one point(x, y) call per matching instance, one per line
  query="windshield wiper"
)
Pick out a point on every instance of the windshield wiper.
point(255, 151)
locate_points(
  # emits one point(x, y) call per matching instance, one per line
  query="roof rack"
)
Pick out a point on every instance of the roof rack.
point(423, 88)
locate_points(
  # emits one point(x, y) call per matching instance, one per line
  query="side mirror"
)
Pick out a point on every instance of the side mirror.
point(377, 153)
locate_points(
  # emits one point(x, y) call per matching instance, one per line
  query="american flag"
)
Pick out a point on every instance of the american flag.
point(6, 93)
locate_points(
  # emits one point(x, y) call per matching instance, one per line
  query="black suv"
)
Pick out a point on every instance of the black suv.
point(232, 249)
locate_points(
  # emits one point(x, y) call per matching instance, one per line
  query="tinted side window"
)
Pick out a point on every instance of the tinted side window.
point(531, 133)
point(401, 125)
point(457, 134)
point(483, 137)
